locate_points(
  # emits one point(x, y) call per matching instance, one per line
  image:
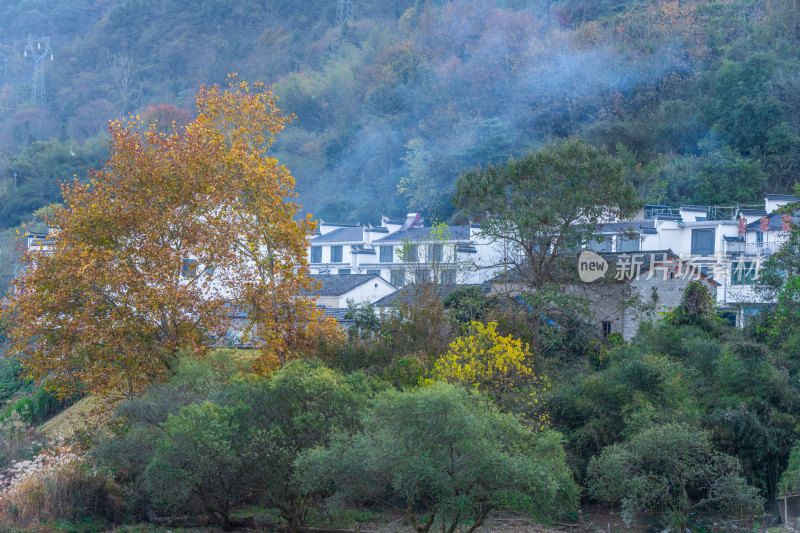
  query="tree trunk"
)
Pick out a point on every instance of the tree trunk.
point(482, 514)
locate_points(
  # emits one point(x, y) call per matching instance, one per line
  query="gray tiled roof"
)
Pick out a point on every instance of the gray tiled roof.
point(349, 235)
point(648, 260)
point(422, 235)
point(339, 284)
point(361, 250)
point(637, 226)
point(406, 294)
point(753, 212)
point(780, 197)
point(775, 222)
point(339, 315)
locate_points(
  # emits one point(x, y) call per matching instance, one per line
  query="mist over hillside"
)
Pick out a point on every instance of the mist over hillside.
point(699, 99)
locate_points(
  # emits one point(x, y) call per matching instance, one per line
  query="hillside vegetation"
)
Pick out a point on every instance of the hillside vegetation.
point(698, 98)
point(446, 412)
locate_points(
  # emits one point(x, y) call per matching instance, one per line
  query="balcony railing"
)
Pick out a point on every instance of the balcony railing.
point(760, 249)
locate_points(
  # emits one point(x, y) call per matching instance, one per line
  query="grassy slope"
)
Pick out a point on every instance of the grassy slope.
point(70, 420)
point(76, 417)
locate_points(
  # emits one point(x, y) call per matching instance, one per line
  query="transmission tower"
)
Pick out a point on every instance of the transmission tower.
point(39, 49)
point(344, 11)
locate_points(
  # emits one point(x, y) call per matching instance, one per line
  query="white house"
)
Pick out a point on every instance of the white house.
point(336, 291)
point(763, 234)
point(41, 242)
point(730, 250)
point(404, 251)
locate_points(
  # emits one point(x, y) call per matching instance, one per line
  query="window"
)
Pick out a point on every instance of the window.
point(387, 254)
point(411, 254)
point(373, 272)
point(423, 275)
point(398, 278)
point(435, 253)
point(344, 271)
point(316, 254)
point(336, 254)
point(189, 268)
point(606, 329)
point(744, 272)
point(602, 246)
point(749, 314)
point(703, 241)
point(627, 244)
point(759, 237)
point(449, 276)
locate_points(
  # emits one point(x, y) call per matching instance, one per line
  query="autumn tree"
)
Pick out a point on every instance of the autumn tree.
point(500, 366)
point(150, 257)
point(167, 116)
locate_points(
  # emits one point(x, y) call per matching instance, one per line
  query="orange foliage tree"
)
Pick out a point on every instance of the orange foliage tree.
point(151, 257)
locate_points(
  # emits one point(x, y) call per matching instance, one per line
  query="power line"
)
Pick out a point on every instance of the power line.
point(38, 48)
point(344, 11)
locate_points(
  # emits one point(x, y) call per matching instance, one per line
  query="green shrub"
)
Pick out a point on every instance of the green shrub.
point(211, 457)
point(139, 424)
point(443, 453)
point(210, 454)
point(672, 470)
point(10, 381)
point(790, 479)
point(637, 389)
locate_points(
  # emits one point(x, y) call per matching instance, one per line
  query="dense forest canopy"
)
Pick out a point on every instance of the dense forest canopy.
point(699, 99)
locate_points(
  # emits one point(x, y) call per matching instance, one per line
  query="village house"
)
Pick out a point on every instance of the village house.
point(367, 264)
point(636, 286)
point(403, 251)
point(727, 244)
point(335, 291)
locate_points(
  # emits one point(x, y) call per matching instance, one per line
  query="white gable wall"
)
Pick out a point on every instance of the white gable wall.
point(369, 292)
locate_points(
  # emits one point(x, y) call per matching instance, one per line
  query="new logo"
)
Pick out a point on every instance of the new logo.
point(591, 266)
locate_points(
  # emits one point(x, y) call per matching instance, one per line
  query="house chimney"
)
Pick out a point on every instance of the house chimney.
point(355, 259)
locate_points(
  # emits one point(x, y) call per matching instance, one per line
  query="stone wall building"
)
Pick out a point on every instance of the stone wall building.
point(636, 286)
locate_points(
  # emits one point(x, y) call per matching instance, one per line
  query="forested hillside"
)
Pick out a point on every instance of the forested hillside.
point(701, 100)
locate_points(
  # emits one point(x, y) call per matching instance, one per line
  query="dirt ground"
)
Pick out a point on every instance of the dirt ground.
point(596, 519)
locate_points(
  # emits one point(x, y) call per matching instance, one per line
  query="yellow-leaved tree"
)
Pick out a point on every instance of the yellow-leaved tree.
point(151, 257)
point(498, 366)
